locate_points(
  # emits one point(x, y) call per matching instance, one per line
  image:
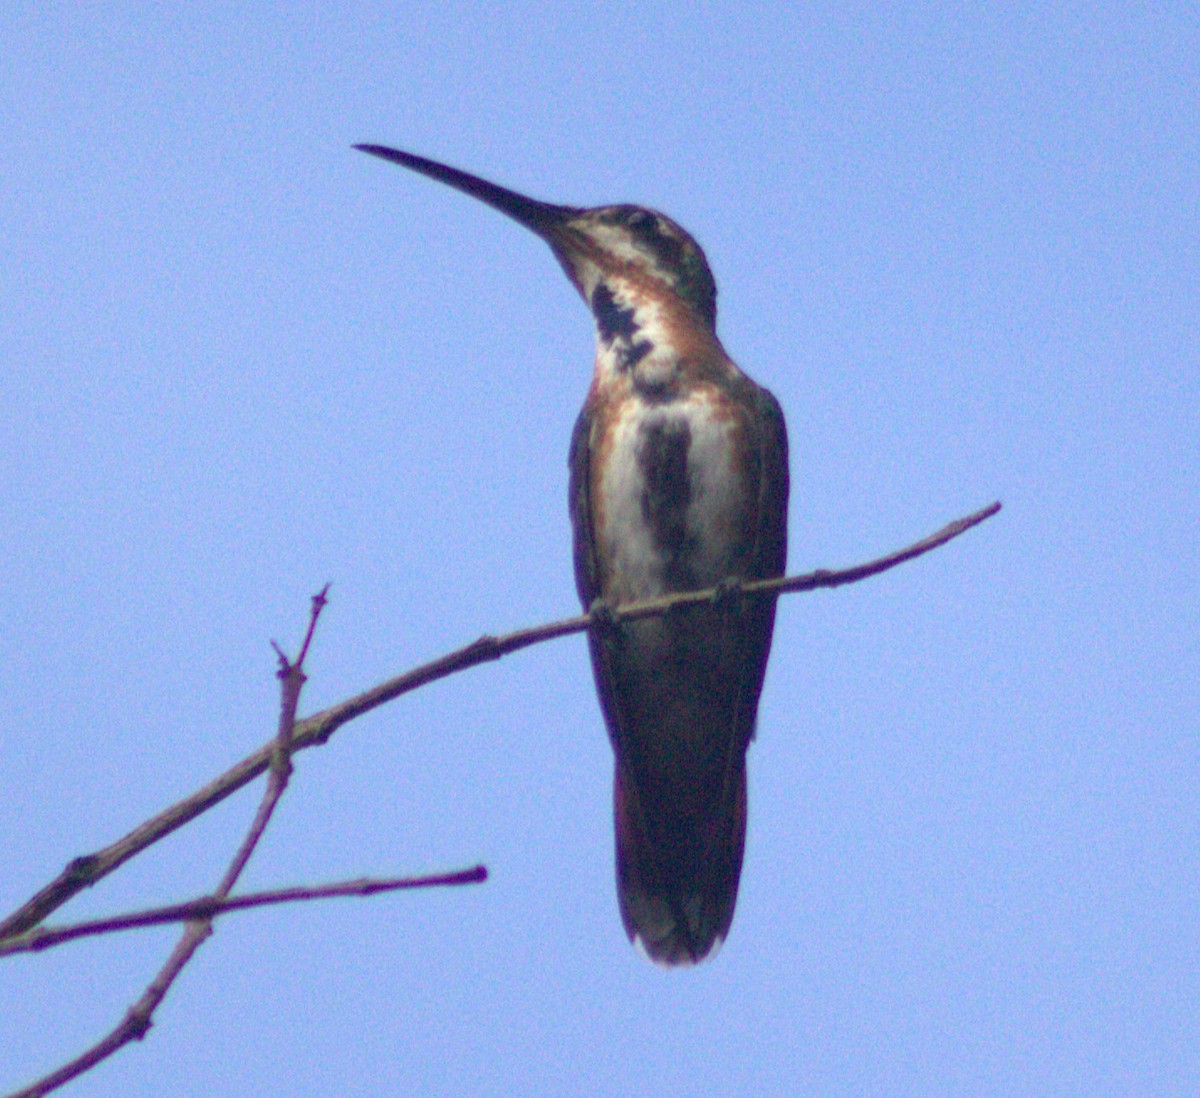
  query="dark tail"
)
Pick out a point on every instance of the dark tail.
point(677, 873)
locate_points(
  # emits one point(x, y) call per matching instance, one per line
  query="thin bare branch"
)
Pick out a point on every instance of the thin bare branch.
point(207, 907)
point(85, 871)
point(291, 678)
point(138, 1019)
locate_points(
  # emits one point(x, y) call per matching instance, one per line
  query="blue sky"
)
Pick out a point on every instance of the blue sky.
point(240, 359)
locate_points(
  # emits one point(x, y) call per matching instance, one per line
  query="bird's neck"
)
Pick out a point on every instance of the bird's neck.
point(649, 338)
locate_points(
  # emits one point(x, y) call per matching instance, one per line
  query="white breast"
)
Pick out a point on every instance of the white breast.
point(651, 523)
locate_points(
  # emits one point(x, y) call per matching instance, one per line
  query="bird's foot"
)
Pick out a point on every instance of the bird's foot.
point(726, 592)
point(604, 616)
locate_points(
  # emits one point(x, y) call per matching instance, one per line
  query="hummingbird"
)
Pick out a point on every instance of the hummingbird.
point(678, 481)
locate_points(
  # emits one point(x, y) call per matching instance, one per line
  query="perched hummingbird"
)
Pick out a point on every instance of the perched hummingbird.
point(678, 482)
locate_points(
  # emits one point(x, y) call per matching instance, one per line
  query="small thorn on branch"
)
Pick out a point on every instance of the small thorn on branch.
point(319, 602)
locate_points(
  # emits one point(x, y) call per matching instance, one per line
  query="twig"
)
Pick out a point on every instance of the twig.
point(138, 1019)
point(206, 907)
point(87, 870)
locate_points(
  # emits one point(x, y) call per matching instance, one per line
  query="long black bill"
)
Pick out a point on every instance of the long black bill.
point(541, 217)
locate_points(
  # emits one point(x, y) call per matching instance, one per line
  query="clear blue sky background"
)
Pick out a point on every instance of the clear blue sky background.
point(238, 359)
